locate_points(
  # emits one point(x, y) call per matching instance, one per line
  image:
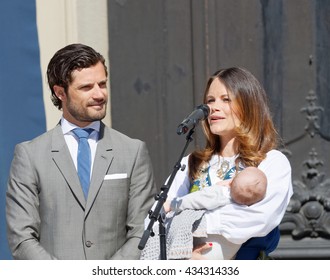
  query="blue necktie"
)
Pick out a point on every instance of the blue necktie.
point(84, 157)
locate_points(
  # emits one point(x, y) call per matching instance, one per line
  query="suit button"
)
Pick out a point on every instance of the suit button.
point(88, 244)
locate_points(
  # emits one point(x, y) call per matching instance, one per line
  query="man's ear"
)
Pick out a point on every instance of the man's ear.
point(59, 91)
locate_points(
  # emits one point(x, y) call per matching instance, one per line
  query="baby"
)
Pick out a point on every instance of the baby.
point(246, 188)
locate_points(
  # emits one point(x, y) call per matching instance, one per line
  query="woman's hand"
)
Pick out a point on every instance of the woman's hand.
point(198, 251)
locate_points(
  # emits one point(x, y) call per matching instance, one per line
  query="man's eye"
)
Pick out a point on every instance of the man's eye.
point(86, 88)
point(103, 85)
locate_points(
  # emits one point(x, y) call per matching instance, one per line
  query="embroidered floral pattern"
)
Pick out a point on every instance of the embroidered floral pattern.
point(204, 179)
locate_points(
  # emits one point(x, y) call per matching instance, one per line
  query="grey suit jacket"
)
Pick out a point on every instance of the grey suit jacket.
point(47, 214)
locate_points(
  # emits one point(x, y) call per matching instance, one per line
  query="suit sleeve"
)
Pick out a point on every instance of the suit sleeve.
point(22, 204)
point(141, 197)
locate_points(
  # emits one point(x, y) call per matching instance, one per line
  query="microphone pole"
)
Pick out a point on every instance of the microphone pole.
point(161, 198)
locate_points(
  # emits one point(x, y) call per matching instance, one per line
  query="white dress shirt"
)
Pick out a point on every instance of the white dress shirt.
point(72, 140)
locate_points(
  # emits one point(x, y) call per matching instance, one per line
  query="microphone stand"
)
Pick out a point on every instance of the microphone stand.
point(159, 215)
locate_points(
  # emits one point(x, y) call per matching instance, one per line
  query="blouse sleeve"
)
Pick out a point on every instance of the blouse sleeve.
point(181, 184)
point(238, 223)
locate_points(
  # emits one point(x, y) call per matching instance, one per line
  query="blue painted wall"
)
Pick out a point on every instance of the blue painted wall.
point(22, 115)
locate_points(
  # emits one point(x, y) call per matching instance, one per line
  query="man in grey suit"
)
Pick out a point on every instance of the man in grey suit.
point(48, 214)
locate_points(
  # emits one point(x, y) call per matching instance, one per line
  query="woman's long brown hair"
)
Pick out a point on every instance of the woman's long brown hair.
point(256, 134)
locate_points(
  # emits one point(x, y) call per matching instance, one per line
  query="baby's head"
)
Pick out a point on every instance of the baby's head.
point(249, 186)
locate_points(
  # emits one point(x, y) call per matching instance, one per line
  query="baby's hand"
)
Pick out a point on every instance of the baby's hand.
point(224, 183)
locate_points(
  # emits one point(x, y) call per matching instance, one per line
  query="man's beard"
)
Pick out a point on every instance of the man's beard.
point(82, 114)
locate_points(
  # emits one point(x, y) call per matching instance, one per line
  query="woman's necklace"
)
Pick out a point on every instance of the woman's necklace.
point(223, 168)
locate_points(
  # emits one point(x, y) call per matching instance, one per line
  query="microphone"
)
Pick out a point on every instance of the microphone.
point(200, 113)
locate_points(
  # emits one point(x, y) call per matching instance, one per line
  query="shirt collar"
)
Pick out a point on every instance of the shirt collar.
point(67, 127)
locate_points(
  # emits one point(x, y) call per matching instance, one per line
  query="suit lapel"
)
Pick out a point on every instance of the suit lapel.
point(63, 160)
point(102, 162)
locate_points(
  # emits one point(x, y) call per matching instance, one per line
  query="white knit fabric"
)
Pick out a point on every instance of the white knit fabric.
point(180, 230)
